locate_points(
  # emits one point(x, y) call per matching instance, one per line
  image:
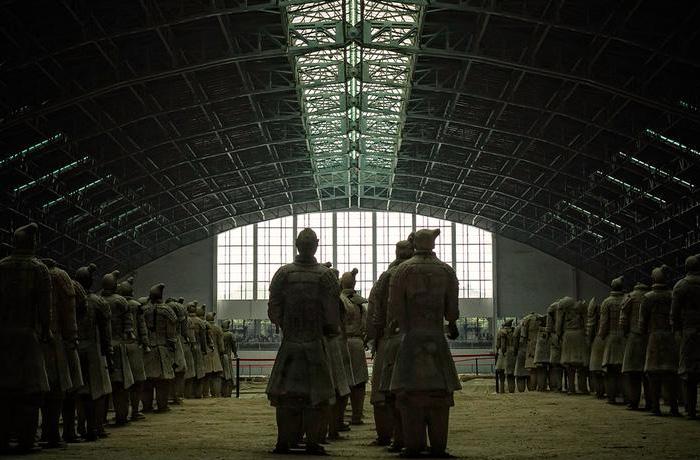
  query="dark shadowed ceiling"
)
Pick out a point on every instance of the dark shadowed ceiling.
point(129, 129)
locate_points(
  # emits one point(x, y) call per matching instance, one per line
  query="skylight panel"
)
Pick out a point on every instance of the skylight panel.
point(670, 141)
point(76, 191)
point(654, 170)
point(52, 174)
point(32, 148)
point(628, 186)
point(589, 214)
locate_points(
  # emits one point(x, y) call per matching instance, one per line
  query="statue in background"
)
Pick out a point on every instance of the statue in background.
point(597, 349)
point(95, 351)
point(201, 347)
point(355, 328)
point(505, 365)
point(230, 352)
point(661, 363)
point(528, 340)
point(555, 369)
point(60, 355)
point(610, 332)
point(384, 329)
point(519, 347)
point(122, 333)
point(686, 322)
point(574, 348)
point(542, 349)
point(160, 361)
point(177, 388)
point(25, 322)
point(217, 339)
point(635, 347)
point(304, 304)
point(423, 294)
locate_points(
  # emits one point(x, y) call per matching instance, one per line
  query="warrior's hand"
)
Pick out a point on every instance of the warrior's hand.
point(452, 331)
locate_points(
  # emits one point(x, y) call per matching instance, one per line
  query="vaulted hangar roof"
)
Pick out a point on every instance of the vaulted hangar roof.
point(130, 129)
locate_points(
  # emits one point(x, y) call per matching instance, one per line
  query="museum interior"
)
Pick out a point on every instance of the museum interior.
point(357, 228)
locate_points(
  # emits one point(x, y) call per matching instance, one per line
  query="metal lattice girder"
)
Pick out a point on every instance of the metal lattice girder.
point(353, 71)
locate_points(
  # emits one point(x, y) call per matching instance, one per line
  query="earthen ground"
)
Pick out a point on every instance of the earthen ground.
point(483, 425)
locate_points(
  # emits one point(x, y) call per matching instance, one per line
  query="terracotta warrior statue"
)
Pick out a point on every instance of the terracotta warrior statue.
point(336, 349)
point(685, 314)
point(160, 361)
point(95, 351)
point(661, 363)
point(528, 340)
point(230, 352)
point(521, 374)
point(177, 388)
point(609, 330)
point(542, 348)
point(505, 365)
point(136, 344)
point(217, 338)
point(60, 355)
point(304, 304)
point(635, 347)
point(202, 348)
point(184, 390)
point(597, 349)
point(574, 348)
point(385, 342)
point(555, 368)
point(355, 329)
point(423, 294)
point(25, 322)
point(122, 333)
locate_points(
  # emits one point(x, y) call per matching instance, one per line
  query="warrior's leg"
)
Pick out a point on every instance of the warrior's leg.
point(50, 417)
point(582, 379)
point(147, 395)
point(284, 431)
point(647, 392)
point(532, 380)
point(383, 423)
point(7, 407)
point(26, 420)
point(398, 433)
point(357, 401)
point(135, 398)
point(498, 381)
point(179, 386)
point(438, 427)
point(216, 385)
point(511, 383)
point(341, 405)
point(691, 398)
point(541, 378)
point(611, 383)
point(671, 382)
point(68, 413)
point(554, 378)
point(571, 380)
point(655, 392)
point(522, 382)
point(634, 389)
point(87, 410)
point(120, 398)
point(313, 421)
point(413, 420)
point(162, 392)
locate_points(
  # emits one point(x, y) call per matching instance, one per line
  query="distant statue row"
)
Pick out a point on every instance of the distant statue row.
point(325, 330)
point(648, 338)
point(66, 350)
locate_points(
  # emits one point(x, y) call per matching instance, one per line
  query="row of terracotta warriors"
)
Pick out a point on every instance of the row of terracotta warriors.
point(69, 352)
point(647, 338)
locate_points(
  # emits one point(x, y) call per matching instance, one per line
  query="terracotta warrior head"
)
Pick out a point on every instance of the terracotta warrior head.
point(307, 243)
point(658, 275)
point(156, 293)
point(109, 282)
point(192, 308)
point(201, 310)
point(333, 269)
point(210, 316)
point(641, 287)
point(26, 239)
point(84, 275)
point(424, 239)
point(347, 281)
point(126, 287)
point(617, 284)
point(226, 325)
point(508, 323)
point(404, 249)
point(692, 264)
point(181, 300)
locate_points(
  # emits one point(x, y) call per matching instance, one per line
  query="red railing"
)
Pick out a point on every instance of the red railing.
point(267, 363)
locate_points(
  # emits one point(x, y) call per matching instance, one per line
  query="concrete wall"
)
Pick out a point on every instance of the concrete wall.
point(526, 280)
point(187, 272)
point(529, 280)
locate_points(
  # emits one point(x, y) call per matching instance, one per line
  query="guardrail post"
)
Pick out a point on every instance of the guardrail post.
point(477, 365)
point(238, 377)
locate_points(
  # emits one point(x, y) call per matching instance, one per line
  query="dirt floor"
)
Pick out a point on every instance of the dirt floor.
point(482, 425)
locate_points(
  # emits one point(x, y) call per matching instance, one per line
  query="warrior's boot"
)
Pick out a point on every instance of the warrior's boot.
point(634, 389)
point(691, 398)
point(120, 399)
point(582, 380)
point(542, 378)
point(50, 416)
point(68, 413)
point(383, 421)
point(500, 381)
point(438, 420)
point(612, 377)
point(135, 393)
point(522, 384)
point(571, 380)
point(555, 376)
point(413, 420)
point(532, 380)
point(162, 393)
point(357, 402)
point(147, 396)
point(511, 383)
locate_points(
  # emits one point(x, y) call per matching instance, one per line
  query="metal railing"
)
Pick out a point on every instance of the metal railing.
point(475, 364)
